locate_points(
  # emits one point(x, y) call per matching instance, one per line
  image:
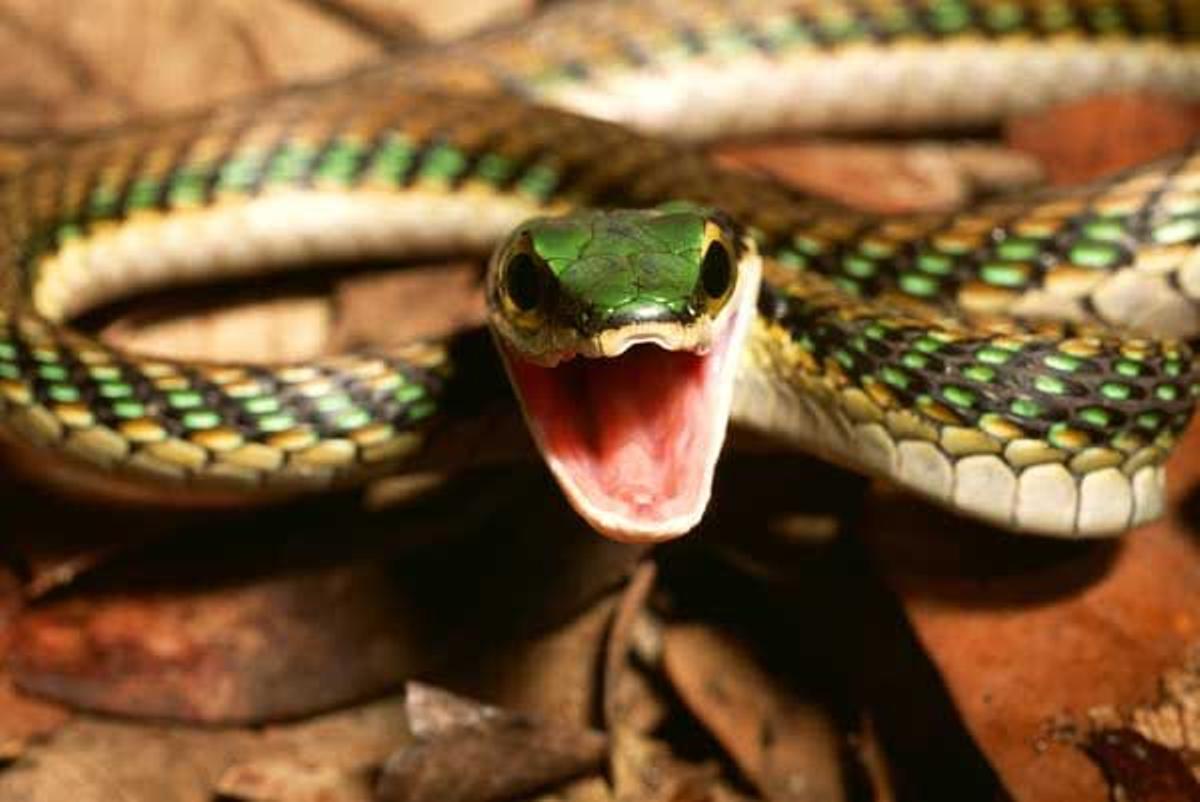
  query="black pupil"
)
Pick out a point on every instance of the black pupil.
point(523, 283)
point(716, 271)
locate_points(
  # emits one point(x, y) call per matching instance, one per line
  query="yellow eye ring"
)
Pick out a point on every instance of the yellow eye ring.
point(524, 286)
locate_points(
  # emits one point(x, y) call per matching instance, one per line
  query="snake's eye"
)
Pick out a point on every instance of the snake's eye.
point(523, 282)
point(716, 271)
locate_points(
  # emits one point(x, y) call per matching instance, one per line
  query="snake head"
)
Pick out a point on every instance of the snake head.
point(596, 283)
point(621, 332)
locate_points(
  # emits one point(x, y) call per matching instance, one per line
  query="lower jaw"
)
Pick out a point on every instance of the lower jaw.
point(633, 440)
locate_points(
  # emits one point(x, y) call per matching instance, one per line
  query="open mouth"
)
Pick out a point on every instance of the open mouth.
point(633, 439)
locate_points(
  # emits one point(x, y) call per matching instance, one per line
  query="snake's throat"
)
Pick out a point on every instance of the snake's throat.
point(632, 439)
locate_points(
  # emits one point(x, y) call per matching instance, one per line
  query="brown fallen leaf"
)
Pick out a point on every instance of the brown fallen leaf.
point(1028, 634)
point(330, 758)
point(790, 748)
point(620, 698)
point(102, 761)
point(1081, 140)
point(887, 178)
point(24, 719)
point(554, 673)
point(1140, 770)
point(473, 753)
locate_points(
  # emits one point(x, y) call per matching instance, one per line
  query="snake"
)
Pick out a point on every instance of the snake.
point(1022, 360)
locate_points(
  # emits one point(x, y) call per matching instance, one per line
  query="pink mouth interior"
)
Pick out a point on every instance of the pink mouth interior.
point(631, 438)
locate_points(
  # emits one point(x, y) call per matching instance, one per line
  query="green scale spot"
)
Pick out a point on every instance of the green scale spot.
point(1063, 362)
point(1129, 368)
point(143, 193)
point(262, 405)
point(1173, 368)
point(1003, 274)
point(201, 419)
point(275, 423)
point(959, 396)
point(289, 163)
point(53, 373)
point(1149, 420)
point(808, 245)
point(894, 376)
point(1005, 17)
point(1051, 385)
point(916, 284)
point(538, 182)
point(839, 27)
point(790, 258)
point(339, 163)
point(1104, 231)
point(1116, 391)
point(927, 345)
point(1094, 254)
point(1179, 230)
point(409, 393)
point(393, 160)
point(858, 266)
point(352, 419)
point(990, 355)
point(914, 361)
point(67, 232)
point(9, 371)
point(332, 403)
point(239, 173)
point(7, 351)
point(844, 358)
point(1166, 392)
point(494, 168)
point(876, 249)
point(184, 399)
point(1106, 19)
point(1095, 416)
point(128, 410)
point(420, 411)
point(859, 344)
point(785, 30)
point(1055, 16)
point(104, 373)
point(187, 186)
point(63, 393)
point(1018, 249)
point(45, 355)
point(949, 16)
point(979, 373)
point(113, 390)
point(103, 202)
point(728, 42)
point(443, 163)
point(876, 331)
point(935, 263)
point(848, 285)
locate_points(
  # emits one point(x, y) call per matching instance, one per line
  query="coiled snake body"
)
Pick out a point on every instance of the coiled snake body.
point(1017, 360)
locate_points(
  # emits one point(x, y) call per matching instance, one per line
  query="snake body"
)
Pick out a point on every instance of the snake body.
point(1019, 360)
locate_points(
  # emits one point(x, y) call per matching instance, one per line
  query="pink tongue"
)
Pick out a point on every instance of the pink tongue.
point(628, 437)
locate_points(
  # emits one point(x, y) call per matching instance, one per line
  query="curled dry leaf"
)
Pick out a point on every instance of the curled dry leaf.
point(466, 752)
point(789, 747)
